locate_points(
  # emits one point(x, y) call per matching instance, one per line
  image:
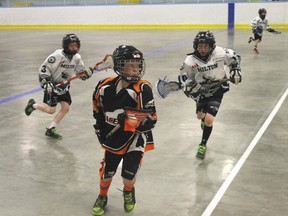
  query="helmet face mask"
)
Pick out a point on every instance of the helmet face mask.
point(201, 39)
point(129, 63)
point(67, 40)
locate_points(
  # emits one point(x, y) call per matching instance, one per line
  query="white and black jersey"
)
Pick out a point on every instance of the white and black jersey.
point(58, 68)
point(194, 69)
point(258, 22)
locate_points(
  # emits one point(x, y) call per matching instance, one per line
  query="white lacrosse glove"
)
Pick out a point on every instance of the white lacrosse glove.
point(48, 86)
point(235, 76)
point(88, 73)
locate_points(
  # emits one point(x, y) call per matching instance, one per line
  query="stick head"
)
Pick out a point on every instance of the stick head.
point(164, 87)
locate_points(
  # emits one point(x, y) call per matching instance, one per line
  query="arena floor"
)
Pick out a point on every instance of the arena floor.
point(245, 171)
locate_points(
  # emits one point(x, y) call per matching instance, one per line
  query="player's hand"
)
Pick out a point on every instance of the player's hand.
point(48, 86)
point(88, 73)
point(235, 76)
point(99, 133)
point(192, 89)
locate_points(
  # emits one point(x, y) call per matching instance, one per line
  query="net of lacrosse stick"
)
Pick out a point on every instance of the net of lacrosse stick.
point(133, 118)
point(164, 87)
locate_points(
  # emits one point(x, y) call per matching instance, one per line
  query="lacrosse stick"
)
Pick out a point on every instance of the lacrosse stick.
point(105, 64)
point(165, 87)
point(133, 118)
point(276, 32)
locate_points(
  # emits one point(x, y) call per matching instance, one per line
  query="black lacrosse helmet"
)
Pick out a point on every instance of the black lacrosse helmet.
point(128, 53)
point(262, 13)
point(67, 39)
point(205, 37)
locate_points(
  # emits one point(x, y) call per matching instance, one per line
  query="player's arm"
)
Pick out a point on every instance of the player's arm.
point(45, 78)
point(147, 103)
point(98, 115)
point(233, 60)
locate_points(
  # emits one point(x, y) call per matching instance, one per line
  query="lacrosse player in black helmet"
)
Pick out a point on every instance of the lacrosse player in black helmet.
point(121, 137)
point(258, 24)
point(203, 78)
point(53, 75)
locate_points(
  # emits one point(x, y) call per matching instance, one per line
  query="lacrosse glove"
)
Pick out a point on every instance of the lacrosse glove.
point(99, 133)
point(88, 73)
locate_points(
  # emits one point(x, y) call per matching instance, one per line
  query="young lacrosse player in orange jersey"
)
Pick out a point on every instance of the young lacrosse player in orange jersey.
point(125, 114)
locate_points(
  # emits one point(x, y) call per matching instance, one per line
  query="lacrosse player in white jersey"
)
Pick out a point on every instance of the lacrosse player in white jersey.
point(203, 78)
point(258, 24)
point(54, 75)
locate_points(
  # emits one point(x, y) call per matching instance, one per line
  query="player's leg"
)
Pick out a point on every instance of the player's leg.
point(211, 108)
point(131, 164)
point(107, 171)
point(65, 101)
point(257, 39)
point(48, 105)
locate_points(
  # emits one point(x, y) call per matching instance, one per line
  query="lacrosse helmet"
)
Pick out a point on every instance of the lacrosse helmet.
point(262, 13)
point(125, 54)
point(67, 39)
point(205, 37)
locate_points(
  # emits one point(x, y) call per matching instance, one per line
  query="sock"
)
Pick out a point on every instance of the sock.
point(35, 106)
point(128, 187)
point(206, 134)
point(104, 187)
point(53, 124)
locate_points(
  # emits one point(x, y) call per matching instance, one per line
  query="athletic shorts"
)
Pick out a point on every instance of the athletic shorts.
point(53, 99)
point(211, 104)
point(130, 164)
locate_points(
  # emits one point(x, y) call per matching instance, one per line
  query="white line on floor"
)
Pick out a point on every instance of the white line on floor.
point(210, 208)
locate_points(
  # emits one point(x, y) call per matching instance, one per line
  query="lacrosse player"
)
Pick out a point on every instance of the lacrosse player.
point(54, 75)
point(125, 114)
point(203, 78)
point(260, 23)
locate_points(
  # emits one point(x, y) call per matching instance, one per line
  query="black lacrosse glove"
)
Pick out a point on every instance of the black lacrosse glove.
point(121, 119)
point(258, 30)
point(99, 133)
point(146, 125)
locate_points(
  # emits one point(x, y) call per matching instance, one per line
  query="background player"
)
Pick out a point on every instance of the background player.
point(259, 23)
point(56, 69)
point(119, 135)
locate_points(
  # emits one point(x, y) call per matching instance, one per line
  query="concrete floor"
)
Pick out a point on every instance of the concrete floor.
point(245, 172)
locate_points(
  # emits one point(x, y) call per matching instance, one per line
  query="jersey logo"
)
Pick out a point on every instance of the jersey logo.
point(67, 66)
point(207, 68)
point(51, 59)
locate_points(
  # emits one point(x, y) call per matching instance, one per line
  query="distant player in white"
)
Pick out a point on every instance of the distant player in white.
point(258, 24)
point(203, 78)
point(57, 68)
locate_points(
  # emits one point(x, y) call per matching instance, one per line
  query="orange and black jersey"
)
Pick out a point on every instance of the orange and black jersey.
point(109, 100)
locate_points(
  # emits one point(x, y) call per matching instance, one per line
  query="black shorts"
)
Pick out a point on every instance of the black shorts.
point(211, 104)
point(257, 37)
point(130, 166)
point(53, 99)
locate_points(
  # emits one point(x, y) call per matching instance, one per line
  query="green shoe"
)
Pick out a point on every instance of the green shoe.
point(29, 108)
point(100, 203)
point(129, 200)
point(201, 152)
point(52, 132)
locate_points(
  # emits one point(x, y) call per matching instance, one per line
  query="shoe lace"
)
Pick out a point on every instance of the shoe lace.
point(202, 149)
point(128, 198)
point(54, 131)
point(100, 202)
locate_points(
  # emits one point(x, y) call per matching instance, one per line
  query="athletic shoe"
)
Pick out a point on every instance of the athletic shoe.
point(129, 200)
point(201, 152)
point(100, 203)
point(52, 132)
point(250, 40)
point(256, 51)
point(29, 108)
